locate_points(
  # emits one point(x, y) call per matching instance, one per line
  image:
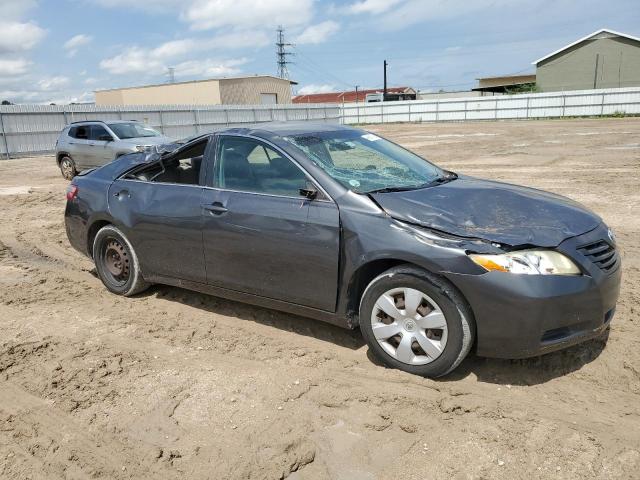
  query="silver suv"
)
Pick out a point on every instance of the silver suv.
point(90, 144)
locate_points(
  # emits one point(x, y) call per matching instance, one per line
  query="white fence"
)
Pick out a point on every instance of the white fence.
point(26, 129)
point(521, 106)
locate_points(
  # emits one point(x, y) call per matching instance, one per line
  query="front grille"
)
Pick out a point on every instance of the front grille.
point(602, 254)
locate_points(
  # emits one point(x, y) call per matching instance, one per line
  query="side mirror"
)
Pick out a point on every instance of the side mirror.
point(105, 138)
point(309, 193)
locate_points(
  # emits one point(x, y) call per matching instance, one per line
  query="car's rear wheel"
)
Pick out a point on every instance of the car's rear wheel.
point(117, 263)
point(416, 322)
point(68, 168)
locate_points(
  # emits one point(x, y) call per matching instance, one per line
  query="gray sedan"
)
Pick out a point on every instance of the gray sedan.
point(341, 225)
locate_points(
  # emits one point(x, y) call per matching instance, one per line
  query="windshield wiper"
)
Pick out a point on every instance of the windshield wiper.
point(447, 177)
point(397, 189)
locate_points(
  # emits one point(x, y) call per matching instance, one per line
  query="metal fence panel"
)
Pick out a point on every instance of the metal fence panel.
point(520, 106)
point(26, 129)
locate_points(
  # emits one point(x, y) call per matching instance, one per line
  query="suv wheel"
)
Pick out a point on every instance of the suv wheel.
point(117, 262)
point(416, 322)
point(68, 167)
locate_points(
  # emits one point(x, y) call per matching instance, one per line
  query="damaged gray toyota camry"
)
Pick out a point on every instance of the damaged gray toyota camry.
point(343, 226)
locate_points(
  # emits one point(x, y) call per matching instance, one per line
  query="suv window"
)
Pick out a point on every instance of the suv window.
point(98, 131)
point(80, 131)
point(250, 166)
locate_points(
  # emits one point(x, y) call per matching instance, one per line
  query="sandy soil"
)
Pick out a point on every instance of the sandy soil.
point(174, 384)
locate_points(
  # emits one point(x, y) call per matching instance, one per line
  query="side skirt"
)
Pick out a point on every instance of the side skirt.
point(257, 300)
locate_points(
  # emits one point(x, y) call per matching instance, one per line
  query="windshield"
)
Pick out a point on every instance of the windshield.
point(364, 162)
point(132, 130)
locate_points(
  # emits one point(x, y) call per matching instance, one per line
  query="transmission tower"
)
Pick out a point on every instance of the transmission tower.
point(282, 54)
point(171, 75)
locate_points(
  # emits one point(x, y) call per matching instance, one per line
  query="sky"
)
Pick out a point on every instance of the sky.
point(61, 51)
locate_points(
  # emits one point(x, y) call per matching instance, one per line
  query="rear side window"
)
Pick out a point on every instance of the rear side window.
point(80, 131)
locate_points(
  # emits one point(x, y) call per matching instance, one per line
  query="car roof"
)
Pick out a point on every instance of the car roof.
point(286, 128)
point(102, 121)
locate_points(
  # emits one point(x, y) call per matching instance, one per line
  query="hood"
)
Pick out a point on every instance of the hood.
point(493, 211)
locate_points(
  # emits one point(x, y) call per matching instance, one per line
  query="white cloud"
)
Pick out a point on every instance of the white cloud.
point(318, 33)
point(53, 83)
point(132, 60)
point(209, 68)
point(19, 37)
point(208, 14)
point(13, 68)
point(15, 9)
point(373, 6)
point(156, 60)
point(150, 6)
point(74, 43)
point(313, 88)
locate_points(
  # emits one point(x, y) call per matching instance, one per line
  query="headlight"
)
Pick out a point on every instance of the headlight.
point(528, 262)
point(142, 148)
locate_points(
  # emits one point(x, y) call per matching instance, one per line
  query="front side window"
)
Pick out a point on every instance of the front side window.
point(248, 165)
point(364, 162)
point(132, 130)
point(98, 132)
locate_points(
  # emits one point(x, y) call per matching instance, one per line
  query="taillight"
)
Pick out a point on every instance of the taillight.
point(72, 192)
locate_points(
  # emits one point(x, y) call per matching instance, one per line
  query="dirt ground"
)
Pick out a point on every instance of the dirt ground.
point(175, 384)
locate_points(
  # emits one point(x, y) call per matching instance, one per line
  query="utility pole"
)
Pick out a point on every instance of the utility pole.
point(384, 95)
point(357, 93)
point(282, 53)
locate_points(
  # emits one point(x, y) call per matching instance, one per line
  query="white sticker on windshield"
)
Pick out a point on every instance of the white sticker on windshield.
point(371, 137)
point(354, 183)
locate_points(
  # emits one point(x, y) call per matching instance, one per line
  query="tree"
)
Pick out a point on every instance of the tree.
point(6, 102)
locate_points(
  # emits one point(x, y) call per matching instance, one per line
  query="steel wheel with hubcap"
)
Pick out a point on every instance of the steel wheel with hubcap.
point(409, 325)
point(416, 321)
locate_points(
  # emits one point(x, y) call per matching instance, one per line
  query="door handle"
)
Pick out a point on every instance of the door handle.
point(216, 208)
point(122, 193)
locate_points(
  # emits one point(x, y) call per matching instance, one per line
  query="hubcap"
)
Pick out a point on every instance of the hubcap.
point(116, 260)
point(409, 325)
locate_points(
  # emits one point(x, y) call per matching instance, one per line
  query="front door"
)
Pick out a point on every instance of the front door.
point(101, 148)
point(260, 235)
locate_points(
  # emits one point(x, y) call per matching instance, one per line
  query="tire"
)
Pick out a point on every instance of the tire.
point(67, 167)
point(117, 263)
point(398, 340)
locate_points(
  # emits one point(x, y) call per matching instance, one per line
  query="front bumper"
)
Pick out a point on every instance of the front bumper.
point(520, 316)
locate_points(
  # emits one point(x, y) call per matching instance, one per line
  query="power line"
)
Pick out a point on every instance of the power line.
point(282, 53)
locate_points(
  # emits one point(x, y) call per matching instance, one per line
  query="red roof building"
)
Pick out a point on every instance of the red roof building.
point(405, 93)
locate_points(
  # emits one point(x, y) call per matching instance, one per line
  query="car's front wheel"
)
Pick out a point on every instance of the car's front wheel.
point(68, 168)
point(416, 322)
point(117, 263)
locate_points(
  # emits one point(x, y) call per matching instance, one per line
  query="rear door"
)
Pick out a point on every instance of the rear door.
point(79, 148)
point(260, 235)
point(160, 208)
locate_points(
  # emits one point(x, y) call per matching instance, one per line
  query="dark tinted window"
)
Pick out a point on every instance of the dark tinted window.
point(247, 165)
point(80, 131)
point(98, 131)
